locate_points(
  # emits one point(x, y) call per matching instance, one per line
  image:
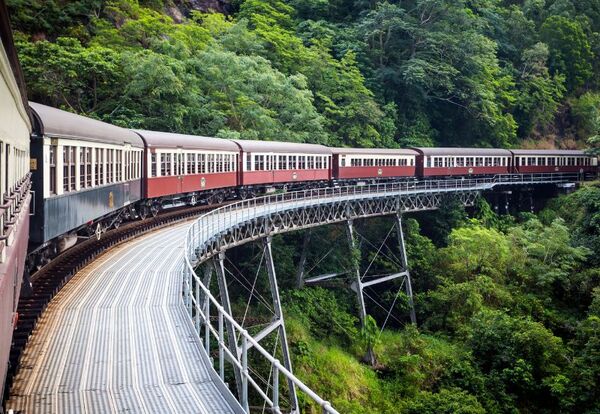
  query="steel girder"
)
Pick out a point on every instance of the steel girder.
point(323, 214)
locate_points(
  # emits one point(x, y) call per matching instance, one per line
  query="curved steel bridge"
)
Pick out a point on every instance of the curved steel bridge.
point(139, 330)
point(261, 218)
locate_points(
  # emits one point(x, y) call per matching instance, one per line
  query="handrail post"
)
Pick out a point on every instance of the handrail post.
point(245, 371)
point(275, 387)
point(221, 345)
point(207, 326)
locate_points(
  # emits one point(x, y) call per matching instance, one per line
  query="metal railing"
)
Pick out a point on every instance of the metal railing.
point(200, 302)
point(12, 203)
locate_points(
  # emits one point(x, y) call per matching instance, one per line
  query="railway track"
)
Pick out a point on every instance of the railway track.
point(47, 281)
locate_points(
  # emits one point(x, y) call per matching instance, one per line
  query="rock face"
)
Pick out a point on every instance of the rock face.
point(219, 6)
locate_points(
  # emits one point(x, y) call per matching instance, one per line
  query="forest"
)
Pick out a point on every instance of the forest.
point(503, 73)
point(508, 306)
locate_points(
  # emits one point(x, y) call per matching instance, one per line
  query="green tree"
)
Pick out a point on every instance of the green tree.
point(570, 51)
point(541, 93)
point(69, 75)
point(523, 360)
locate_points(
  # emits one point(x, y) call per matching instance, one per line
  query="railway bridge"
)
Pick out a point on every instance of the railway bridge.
point(140, 330)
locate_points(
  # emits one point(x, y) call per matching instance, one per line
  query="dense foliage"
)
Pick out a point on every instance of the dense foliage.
point(344, 72)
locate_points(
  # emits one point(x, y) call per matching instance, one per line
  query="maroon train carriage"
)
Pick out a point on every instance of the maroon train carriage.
point(266, 165)
point(373, 163)
point(435, 162)
point(552, 161)
point(190, 167)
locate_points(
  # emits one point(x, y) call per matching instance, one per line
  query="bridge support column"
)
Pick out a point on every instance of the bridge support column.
point(302, 265)
point(219, 265)
point(404, 260)
point(287, 361)
point(357, 285)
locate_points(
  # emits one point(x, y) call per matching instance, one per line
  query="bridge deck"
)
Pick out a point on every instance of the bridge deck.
point(116, 338)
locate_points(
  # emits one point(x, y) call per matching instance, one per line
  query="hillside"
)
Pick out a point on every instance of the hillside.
point(340, 72)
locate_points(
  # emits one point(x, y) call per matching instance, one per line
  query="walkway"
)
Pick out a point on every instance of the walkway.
point(117, 338)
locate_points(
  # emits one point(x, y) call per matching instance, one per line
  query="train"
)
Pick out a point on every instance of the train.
point(66, 177)
point(90, 176)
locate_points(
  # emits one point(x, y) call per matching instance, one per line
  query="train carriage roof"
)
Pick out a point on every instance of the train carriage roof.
point(548, 152)
point(53, 122)
point(447, 151)
point(155, 139)
point(374, 151)
point(281, 147)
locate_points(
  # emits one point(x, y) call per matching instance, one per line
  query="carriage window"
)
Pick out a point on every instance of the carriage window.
point(169, 161)
point(66, 169)
point(202, 163)
point(163, 165)
point(190, 163)
point(437, 161)
point(52, 165)
point(259, 162)
point(82, 181)
point(109, 165)
point(541, 161)
point(134, 164)
point(88, 167)
point(551, 161)
point(153, 170)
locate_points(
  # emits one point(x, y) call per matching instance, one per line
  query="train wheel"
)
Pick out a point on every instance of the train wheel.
point(154, 210)
point(143, 212)
point(98, 231)
point(219, 197)
point(243, 194)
